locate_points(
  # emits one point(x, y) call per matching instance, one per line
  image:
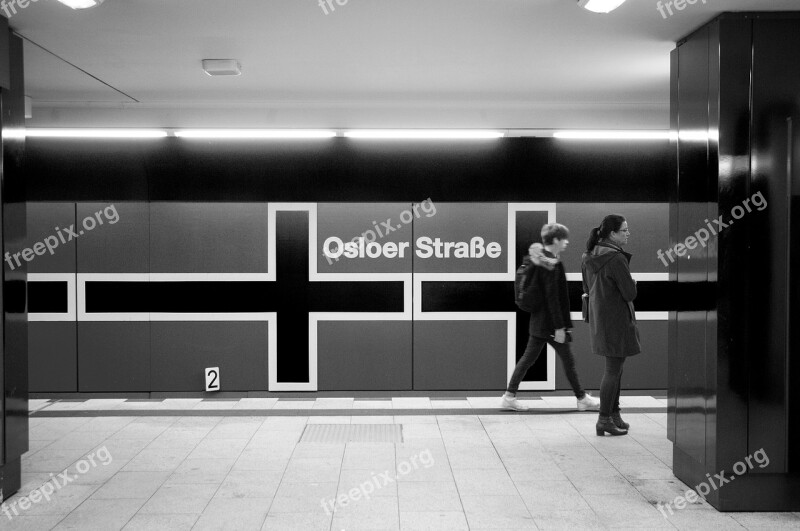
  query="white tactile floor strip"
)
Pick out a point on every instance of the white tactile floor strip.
point(328, 404)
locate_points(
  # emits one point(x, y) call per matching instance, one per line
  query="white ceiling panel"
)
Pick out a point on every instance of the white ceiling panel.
point(471, 53)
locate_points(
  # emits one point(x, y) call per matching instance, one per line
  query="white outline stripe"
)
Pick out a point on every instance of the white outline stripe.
point(640, 316)
point(644, 277)
point(511, 362)
point(83, 278)
point(71, 312)
point(209, 277)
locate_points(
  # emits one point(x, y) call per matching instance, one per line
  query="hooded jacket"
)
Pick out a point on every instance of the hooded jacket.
point(553, 312)
point(612, 318)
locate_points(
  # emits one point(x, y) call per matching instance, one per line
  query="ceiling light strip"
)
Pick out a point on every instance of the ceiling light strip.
point(369, 134)
point(95, 133)
point(254, 133)
point(423, 134)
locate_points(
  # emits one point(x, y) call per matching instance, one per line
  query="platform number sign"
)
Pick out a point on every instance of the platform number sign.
point(212, 379)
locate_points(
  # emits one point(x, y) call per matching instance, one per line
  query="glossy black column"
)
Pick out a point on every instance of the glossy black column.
point(14, 359)
point(734, 350)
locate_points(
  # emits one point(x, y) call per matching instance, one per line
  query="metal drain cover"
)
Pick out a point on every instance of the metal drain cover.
point(344, 433)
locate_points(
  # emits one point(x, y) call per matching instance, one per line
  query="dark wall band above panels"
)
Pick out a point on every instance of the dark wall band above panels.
point(346, 170)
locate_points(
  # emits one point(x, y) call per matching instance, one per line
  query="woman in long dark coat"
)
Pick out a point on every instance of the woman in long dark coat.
point(612, 320)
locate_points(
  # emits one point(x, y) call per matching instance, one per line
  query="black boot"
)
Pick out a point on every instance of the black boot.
point(616, 418)
point(606, 425)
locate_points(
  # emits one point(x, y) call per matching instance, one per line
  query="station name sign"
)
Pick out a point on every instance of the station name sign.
point(425, 247)
point(445, 238)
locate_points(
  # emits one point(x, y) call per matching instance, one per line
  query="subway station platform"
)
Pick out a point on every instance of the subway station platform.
point(344, 463)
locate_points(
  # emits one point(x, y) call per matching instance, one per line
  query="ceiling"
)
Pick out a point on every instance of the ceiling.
point(366, 63)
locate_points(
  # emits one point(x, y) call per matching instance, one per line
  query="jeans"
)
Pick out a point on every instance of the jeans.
point(610, 386)
point(532, 351)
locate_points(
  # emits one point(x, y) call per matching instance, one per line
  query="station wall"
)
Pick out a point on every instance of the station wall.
point(195, 258)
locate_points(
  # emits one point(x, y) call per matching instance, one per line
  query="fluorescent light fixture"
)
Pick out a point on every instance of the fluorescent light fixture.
point(423, 134)
point(96, 133)
point(695, 135)
point(81, 4)
point(254, 133)
point(600, 6)
point(612, 135)
point(17, 133)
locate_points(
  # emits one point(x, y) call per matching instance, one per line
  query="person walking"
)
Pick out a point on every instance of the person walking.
point(550, 321)
point(611, 289)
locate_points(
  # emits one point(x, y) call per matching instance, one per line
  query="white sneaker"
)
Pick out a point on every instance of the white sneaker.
point(588, 402)
point(513, 404)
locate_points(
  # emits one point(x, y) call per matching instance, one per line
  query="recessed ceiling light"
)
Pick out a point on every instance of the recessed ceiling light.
point(222, 67)
point(81, 4)
point(600, 6)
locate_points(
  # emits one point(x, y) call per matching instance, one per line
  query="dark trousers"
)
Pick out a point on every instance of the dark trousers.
point(610, 386)
point(532, 351)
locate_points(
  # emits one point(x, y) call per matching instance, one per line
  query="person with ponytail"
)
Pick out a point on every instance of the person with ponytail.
point(610, 288)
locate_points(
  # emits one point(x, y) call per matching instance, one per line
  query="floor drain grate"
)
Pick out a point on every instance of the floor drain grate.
point(344, 433)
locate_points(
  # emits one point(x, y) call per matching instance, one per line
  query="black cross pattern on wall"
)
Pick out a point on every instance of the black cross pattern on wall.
point(291, 296)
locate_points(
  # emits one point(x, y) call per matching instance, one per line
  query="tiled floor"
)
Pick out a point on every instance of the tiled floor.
point(464, 470)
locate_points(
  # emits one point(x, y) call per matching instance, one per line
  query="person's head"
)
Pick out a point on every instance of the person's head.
point(555, 235)
point(614, 228)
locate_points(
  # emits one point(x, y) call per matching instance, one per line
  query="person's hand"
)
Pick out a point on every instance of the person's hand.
point(561, 335)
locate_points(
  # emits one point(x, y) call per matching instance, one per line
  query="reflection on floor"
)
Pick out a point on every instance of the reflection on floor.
point(456, 468)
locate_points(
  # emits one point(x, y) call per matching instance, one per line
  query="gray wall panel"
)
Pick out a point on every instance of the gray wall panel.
point(649, 224)
point(208, 237)
point(113, 357)
point(43, 219)
point(121, 247)
point(647, 370)
point(455, 355)
point(182, 350)
point(53, 357)
point(364, 355)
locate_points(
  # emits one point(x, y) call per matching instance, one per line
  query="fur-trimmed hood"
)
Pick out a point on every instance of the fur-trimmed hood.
point(538, 257)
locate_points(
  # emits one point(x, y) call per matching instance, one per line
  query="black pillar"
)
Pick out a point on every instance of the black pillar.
point(14, 331)
point(734, 360)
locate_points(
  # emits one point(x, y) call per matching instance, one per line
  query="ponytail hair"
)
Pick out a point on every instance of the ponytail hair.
point(610, 223)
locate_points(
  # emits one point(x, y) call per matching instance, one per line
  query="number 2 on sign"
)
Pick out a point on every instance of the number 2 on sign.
point(212, 379)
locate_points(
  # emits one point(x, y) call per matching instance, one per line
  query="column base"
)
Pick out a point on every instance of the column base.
point(10, 478)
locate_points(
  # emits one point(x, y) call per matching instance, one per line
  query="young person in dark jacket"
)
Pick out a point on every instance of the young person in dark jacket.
point(612, 319)
point(550, 321)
